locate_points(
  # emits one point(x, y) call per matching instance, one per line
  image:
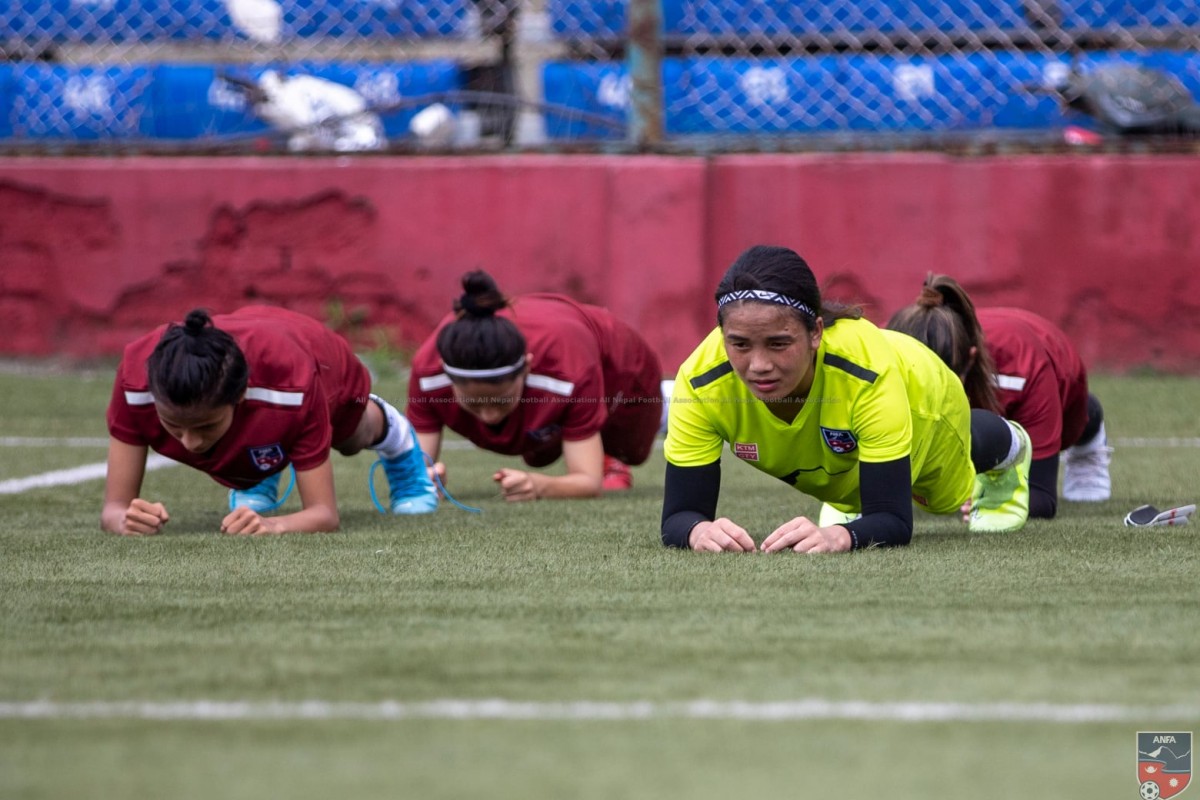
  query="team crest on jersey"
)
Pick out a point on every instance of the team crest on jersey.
point(267, 457)
point(747, 451)
point(840, 442)
point(545, 434)
point(1164, 763)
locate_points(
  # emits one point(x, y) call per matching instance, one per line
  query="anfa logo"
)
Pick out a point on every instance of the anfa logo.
point(267, 457)
point(1164, 763)
point(546, 434)
point(746, 451)
point(840, 442)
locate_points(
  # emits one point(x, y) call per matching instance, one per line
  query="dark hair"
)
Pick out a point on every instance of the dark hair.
point(477, 338)
point(197, 364)
point(783, 271)
point(943, 318)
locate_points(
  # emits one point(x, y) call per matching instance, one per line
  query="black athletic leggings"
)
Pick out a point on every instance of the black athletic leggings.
point(991, 439)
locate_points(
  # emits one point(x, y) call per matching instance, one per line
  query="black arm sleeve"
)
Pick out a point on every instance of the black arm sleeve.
point(886, 494)
point(1043, 488)
point(690, 497)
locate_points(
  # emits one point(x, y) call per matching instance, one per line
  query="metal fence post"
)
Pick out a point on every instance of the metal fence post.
point(645, 72)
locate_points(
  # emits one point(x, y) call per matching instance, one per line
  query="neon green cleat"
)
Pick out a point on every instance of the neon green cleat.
point(1000, 502)
point(835, 516)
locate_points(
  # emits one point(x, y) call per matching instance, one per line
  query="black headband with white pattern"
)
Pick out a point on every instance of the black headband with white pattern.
point(768, 297)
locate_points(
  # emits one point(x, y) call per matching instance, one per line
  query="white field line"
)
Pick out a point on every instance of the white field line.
point(51, 441)
point(89, 472)
point(95, 471)
point(471, 710)
point(68, 477)
point(1170, 441)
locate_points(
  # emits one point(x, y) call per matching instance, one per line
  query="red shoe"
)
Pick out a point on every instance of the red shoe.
point(617, 477)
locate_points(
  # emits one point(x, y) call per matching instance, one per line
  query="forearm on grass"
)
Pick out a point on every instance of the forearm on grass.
point(689, 498)
point(885, 491)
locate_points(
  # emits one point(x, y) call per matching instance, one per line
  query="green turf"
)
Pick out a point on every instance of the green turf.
point(574, 601)
point(594, 760)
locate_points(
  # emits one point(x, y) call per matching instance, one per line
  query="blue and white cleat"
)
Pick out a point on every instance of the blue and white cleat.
point(411, 490)
point(260, 498)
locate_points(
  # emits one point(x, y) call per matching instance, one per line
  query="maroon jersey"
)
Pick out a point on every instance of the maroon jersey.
point(588, 370)
point(306, 391)
point(1041, 378)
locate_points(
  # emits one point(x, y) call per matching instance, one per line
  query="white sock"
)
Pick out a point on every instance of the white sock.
point(1014, 450)
point(399, 438)
point(1098, 441)
point(667, 388)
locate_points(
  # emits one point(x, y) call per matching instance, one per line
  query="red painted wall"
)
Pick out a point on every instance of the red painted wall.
point(96, 251)
point(1108, 247)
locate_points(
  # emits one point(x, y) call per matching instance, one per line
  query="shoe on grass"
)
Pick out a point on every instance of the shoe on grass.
point(1000, 502)
point(1085, 477)
point(617, 477)
point(260, 498)
point(410, 488)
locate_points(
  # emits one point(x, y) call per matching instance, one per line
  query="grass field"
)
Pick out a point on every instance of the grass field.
point(193, 665)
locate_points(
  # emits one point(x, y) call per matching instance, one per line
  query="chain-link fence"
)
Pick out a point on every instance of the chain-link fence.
point(199, 75)
point(361, 75)
point(759, 70)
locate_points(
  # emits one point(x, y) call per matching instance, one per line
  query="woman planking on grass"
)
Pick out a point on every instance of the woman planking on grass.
point(1020, 365)
point(241, 396)
point(542, 377)
point(865, 420)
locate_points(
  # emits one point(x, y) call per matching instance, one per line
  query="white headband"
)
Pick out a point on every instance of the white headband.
point(483, 374)
point(770, 297)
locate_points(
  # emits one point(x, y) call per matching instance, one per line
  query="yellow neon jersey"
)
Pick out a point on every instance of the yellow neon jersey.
point(877, 396)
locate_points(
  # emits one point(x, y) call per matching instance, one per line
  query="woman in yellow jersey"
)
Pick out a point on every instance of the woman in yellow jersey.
point(863, 419)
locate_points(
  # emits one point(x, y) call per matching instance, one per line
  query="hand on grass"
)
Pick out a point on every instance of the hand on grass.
point(720, 535)
point(516, 485)
point(804, 536)
point(144, 518)
point(244, 522)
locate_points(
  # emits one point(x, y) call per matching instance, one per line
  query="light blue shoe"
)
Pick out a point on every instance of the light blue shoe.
point(411, 490)
point(260, 498)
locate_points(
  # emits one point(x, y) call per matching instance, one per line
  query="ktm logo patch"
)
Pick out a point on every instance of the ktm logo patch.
point(747, 451)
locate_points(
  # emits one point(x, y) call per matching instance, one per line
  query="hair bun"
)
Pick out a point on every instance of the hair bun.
point(930, 297)
point(481, 297)
point(470, 304)
point(196, 321)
